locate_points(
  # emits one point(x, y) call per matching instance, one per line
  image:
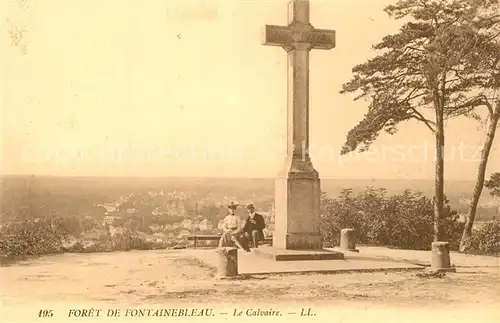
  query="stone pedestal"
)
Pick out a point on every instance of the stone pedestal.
point(297, 207)
point(297, 234)
point(440, 260)
point(227, 262)
point(347, 240)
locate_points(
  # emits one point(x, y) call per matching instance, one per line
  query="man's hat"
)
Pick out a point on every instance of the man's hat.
point(232, 205)
point(250, 206)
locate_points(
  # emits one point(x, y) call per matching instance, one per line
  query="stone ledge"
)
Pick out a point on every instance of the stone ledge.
point(431, 270)
point(350, 250)
point(278, 254)
point(336, 271)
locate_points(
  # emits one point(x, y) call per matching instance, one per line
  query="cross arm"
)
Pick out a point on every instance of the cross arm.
point(320, 38)
point(286, 35)
point(276, 35)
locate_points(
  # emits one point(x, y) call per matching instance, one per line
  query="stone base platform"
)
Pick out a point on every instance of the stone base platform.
point(278, 254)
point(249, 263)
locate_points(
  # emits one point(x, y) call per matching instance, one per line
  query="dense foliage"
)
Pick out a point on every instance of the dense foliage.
point(403, 220)
point(493, 184)
point(49, 236)
point(30, 238)
point(486, 240)
point(431, 63)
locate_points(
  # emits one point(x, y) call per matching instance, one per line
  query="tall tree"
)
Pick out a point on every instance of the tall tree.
point(482, 70)
point(492, 120)
point(425, 72)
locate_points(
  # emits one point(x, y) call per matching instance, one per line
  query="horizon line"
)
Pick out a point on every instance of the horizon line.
point(223, 177)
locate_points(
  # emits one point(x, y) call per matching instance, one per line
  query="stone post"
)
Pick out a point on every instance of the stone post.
point(347, 240)
point(227, 262)
point(440, 260)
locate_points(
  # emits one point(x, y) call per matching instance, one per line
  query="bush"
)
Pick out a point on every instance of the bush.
point(404, 220)
point(127, 241)
point(89, 224)
point(74, 247)
point(486, 240)
point(68, 226)
point(30, 238)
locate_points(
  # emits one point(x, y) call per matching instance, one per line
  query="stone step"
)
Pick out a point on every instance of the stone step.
point(278, 254)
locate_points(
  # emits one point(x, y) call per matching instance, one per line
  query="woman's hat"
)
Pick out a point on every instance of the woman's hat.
point(232, 205)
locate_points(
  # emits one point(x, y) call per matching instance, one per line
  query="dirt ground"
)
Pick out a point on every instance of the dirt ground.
point(175, 278)
point(140, 277)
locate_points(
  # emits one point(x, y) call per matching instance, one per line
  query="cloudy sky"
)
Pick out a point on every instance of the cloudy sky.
point(184, 87)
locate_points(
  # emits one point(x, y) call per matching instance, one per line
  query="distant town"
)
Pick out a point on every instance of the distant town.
point(169, 216)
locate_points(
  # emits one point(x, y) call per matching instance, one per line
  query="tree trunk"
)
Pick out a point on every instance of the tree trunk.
point(439, 95)
point(439, 175)
point(478, 188)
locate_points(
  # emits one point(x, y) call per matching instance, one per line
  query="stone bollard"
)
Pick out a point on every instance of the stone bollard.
point(347, 240)
point(440, 260)
point(227, 262)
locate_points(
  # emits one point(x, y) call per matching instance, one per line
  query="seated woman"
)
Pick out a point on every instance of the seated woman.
point(232, 235)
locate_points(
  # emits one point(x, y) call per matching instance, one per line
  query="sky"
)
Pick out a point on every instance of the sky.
point(185, 88)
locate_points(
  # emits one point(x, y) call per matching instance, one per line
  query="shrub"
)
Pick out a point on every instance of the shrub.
point(485, 240)
point(127, 241)
point(68, 226)
point(403, 220)
point(76, 247)
point(30, 238)
point(89, 224)
point(94, 246)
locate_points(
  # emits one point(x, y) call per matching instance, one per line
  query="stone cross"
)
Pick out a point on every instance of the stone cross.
point(297, 190)
point(297, 39)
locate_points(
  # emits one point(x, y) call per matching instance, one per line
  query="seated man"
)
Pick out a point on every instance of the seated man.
point(254, 226)
point(232, 230)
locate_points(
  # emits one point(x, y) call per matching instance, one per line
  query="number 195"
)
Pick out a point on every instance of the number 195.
point(45, 313)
